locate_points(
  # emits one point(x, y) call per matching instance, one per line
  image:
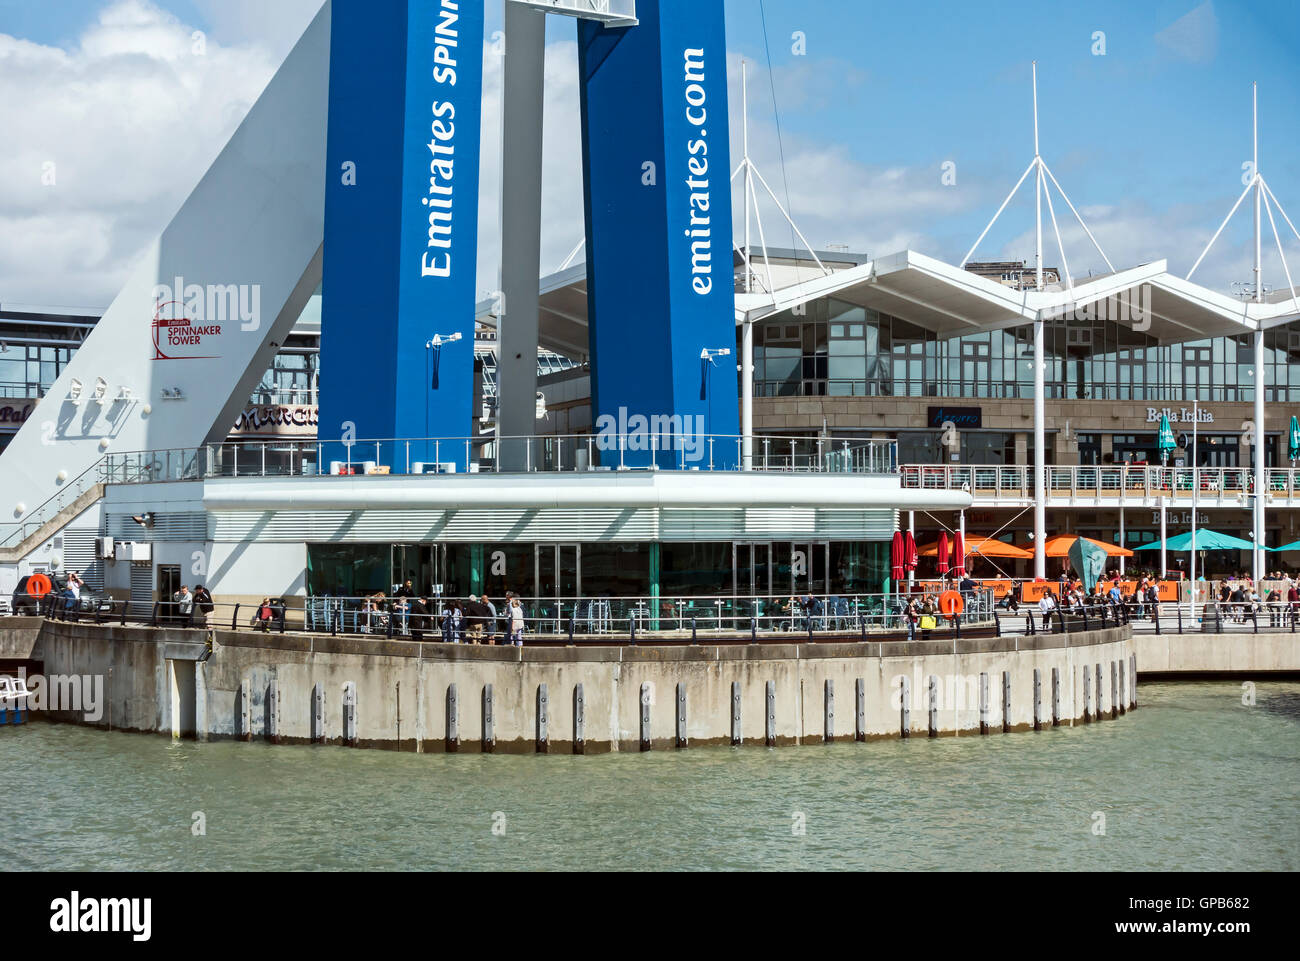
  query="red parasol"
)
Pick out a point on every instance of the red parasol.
point(896, 557)
point(959, 554)
point(910, 555)
point(943, 552)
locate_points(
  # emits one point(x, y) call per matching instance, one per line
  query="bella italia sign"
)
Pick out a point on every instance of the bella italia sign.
point(1181, 415)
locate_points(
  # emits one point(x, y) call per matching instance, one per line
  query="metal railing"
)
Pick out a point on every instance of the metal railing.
point(544, 453)
point(1211, 485)
point(596, 616)
point(1159, 617)
point(14, 533)
point(602, 620)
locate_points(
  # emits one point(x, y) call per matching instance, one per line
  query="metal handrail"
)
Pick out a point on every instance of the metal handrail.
point(1212, 484)
point(541, 453)
point(18, 531)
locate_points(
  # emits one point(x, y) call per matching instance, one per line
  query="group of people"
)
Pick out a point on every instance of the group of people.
point(476, 620)
point(921, 610)
point(185, 603)
point(1241, 599)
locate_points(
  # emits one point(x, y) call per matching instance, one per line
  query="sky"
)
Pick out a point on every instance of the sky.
point(880, 126)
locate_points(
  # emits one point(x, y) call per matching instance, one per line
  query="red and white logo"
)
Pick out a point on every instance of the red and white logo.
point(176, 337)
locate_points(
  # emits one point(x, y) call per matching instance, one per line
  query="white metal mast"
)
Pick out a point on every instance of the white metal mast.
point(1261, 475)
point(747, 326)
point(1040, 429)
point(1265, 201)
point(1042, 174)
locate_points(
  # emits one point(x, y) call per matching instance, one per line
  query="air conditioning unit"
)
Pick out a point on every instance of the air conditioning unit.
point(135, 551)
point(105, 547)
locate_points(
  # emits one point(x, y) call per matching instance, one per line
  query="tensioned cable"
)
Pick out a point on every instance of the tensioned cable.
point(780, 142)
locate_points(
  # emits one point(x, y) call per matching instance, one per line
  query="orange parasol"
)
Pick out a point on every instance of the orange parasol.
point(1059, 546)
point(985, 547)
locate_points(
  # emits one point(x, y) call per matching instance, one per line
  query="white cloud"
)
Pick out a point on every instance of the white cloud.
point(104, 142)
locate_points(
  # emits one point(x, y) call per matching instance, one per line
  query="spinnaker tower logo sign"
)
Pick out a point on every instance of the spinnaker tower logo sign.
point(186, 323)
point(176, 337)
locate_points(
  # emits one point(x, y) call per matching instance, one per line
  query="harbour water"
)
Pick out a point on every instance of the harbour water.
point(1192, 780)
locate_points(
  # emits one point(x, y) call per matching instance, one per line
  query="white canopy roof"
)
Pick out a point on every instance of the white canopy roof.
point(949, 300)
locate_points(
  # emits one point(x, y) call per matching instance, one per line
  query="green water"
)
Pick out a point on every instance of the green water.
point(1191, 780)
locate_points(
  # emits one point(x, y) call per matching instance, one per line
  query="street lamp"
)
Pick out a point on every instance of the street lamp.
point(435, 347)
point(432, 359)
point(708, 359)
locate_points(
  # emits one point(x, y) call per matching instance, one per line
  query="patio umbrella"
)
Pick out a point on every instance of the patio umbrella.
point(910, 557)
point(942, 550)
point(959, 554)
point(1293, 448)
point(1059, 546)
point(986, 547)
point(1165, 439)
point(896, 557)
point(1206, 540)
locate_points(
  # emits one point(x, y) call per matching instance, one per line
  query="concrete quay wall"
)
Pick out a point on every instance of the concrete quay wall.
point(434, 697)
point(1234, 654)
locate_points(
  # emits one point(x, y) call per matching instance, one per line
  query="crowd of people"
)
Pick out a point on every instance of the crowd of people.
point(475, 620)
point(1240, 600)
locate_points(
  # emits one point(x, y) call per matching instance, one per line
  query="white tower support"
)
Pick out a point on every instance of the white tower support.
point(523, 90)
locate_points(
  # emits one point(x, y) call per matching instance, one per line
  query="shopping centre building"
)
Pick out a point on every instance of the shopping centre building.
point(582, 436)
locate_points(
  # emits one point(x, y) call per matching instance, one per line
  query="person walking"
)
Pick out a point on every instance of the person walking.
point(1046, 606)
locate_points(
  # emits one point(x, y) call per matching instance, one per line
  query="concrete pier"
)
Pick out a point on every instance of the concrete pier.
point(299, 689)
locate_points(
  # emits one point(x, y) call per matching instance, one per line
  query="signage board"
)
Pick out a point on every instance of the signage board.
point(964, 418)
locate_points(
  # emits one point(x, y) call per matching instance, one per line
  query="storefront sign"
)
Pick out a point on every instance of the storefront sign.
point(13, 415)
point(965, 418)
point(1180, 520)
point(1182, 415)
point(277, 421)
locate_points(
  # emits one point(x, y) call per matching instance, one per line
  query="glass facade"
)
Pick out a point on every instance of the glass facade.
point(601, 569)
point(28, 370)
point(838, 349)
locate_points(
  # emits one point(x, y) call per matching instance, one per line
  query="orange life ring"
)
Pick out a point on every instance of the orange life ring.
point(950, 603)
point(38, 585)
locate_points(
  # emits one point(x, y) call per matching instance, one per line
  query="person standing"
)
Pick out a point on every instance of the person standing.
point(515, 619)
point(490, 622)
point(184, 602)
point(203, 601)
point(419, 618)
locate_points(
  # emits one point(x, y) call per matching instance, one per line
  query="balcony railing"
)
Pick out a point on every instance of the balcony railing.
point(548, 453)
point(1211, 485)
